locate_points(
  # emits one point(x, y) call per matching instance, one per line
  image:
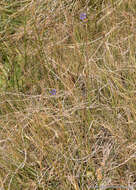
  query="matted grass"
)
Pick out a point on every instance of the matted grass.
point(67, 95)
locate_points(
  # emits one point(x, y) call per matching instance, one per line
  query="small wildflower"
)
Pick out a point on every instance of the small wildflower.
point(83, 17)
point(53, 92)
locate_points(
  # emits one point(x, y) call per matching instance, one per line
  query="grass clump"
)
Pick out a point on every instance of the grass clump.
point(67, 90)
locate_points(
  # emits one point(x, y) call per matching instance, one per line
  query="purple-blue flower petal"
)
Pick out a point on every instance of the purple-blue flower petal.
point(53, 92)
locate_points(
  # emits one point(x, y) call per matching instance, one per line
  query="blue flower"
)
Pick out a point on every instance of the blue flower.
point(83, 16)
point(53, 92)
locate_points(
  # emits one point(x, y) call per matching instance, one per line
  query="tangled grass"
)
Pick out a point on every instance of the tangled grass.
point(67, 94)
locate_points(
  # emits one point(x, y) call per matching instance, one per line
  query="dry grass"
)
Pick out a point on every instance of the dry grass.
point(84, 135)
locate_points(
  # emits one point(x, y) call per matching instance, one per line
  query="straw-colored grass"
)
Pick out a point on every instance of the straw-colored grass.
point(82, 135)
